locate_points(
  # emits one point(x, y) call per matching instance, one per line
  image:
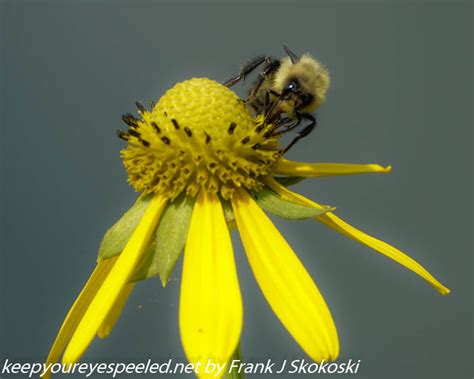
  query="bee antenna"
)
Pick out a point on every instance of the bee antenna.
point(294, 58)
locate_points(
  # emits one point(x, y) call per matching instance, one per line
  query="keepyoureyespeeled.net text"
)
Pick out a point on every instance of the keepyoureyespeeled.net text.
point(114, 369)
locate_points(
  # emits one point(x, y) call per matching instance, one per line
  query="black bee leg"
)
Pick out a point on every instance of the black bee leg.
point(287, 123)
point(287, 127)
point(272, 65)
point(269, 111)
point(268, 105)
point(247, 69)
point(284, 125)
point(307, 129)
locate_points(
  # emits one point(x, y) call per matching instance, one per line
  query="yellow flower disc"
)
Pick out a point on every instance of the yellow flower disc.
point(199, 135)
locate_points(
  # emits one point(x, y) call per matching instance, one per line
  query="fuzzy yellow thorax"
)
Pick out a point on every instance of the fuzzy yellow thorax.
point(200, 134)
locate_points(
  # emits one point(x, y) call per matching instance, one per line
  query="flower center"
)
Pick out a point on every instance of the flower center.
point(199, 135)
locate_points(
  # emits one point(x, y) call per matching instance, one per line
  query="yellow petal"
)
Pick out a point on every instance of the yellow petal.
point(286, 167)
point(115, 312)
point(284, 281)
point(339, 225)
point(111, 288)
point(77, 310)
point(210, 311)
point(286, 194)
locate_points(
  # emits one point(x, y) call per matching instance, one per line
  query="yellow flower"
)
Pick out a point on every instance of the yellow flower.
point(202, 161)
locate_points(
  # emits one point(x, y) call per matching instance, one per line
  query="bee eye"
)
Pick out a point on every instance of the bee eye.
point(305, 99)
point(292, 86)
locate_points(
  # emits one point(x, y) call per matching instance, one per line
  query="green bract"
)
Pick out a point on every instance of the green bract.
point(117, 236)
point(275, 204)
point(168, 242)
point(289, 180)
point(169, 238)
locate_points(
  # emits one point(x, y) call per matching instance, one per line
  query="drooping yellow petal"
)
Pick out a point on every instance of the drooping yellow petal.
point(77, 310)
point(339, 225)
point(111, 288)
point(284, 281)
point(210, 311)
point(115, 312)
point(292, 168)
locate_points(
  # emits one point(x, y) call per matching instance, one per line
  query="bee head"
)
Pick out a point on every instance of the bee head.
point(294, 93)
point(302, 83)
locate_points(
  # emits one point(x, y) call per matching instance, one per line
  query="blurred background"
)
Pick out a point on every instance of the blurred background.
point(401, 94)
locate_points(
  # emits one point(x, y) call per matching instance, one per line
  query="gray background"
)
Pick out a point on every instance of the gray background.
point(401, 95)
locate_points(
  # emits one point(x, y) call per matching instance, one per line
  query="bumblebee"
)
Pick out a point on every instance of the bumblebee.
point(286, 92)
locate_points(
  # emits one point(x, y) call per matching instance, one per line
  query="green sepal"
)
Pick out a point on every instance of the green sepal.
point(117, 236)
point(275, 204)
point(168, 241)
point(289, 180)
point(229, 214)
point(228, 211)
point(234, 373)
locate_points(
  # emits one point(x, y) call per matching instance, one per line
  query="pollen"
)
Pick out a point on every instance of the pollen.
point(200, 134)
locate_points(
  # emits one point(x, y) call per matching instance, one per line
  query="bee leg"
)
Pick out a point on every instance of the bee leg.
point(307, 129)
point(285, 122)
point(272, 65)
point(247, 69)
point(269, 107)
point(283, 126)
point(271, 117)
point(286, 128)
